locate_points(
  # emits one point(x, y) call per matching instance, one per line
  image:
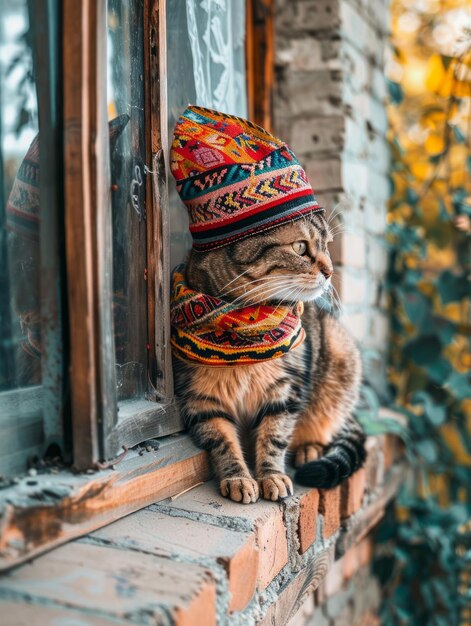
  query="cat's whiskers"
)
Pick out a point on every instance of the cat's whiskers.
point(278, 283)
point(256, 280)
point(341, 228)
point(236, 278)
point(292, 289)
point(336, 302)
point(336, 212)
point(267, 291)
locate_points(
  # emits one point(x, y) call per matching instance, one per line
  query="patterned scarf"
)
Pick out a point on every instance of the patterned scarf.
point(213, 332)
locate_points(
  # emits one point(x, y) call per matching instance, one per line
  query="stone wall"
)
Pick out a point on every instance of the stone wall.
point(329, 106)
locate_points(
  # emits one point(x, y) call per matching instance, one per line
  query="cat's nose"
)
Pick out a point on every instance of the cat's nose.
point(325, 265)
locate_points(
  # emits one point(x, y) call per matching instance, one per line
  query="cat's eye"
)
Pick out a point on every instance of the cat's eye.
point(299, 247)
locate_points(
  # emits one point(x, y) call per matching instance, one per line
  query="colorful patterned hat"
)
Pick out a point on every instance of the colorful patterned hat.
point(235, 178)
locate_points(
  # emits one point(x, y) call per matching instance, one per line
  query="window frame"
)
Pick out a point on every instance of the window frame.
point(100, 430)
point(260, 61)
point(101, 427)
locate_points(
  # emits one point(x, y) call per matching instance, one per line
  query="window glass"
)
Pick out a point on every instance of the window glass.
point(128, 154)
point(205, 66)
point(25, 427)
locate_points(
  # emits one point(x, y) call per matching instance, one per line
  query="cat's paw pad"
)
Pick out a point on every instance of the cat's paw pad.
point(240, 489)
point(307, 452)
point(275, 486)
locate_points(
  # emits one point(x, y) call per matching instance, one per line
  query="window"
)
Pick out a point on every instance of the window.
point(31, 341)
point(90, 221)
point(87, 205)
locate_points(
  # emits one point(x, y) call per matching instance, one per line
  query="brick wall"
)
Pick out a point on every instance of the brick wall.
point(329, 106)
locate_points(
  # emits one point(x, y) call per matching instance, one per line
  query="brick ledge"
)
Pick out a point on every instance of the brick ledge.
point(200, 559)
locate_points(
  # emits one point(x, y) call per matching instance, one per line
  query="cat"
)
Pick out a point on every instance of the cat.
point(248, 417)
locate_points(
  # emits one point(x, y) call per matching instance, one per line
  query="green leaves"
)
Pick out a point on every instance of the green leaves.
point(416, 305)
point(395, 92)
point(429, 292)
point(459, 385)
point(434, 413)
point(423, 349)
point(453, 287)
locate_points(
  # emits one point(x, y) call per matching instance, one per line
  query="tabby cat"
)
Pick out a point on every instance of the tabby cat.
point(249, 416)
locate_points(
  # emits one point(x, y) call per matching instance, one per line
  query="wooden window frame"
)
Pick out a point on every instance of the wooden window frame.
point(260, 61)
point(99, 430)
point(63, 506)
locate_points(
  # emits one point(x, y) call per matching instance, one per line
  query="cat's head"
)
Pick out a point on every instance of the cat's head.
point(287, 263)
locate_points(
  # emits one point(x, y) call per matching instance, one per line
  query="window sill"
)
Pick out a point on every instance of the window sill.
point(202, 559)
point(46, 510)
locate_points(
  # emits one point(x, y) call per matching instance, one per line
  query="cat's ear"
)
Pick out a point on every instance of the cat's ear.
point(115, 128)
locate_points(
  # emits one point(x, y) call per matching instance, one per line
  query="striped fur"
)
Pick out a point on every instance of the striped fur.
point(249, 416)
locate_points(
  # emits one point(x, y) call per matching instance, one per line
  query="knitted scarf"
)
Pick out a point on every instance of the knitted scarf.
point(210, 331)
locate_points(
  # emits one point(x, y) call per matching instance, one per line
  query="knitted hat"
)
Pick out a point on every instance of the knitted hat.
point(235, 178)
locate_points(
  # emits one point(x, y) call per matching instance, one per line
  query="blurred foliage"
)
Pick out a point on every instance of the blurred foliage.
point(425, 569)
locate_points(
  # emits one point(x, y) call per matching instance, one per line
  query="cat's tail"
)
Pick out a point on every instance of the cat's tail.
point(342, 458)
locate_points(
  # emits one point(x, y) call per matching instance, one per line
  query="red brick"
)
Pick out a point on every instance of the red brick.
point(201, 610)
point(355, 558)
point(307, 522)
point(265, 518)
point(352, 492)
point(118, 582)
point(273, 545)
point(329, 507)
point(163, 535)
point(242, 571)
point(369, 619)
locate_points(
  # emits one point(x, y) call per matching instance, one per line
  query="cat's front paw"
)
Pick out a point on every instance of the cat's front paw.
point(275, 486)
point(240, 489)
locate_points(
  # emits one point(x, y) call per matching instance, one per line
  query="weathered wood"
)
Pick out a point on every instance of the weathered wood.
point(158, 247)
point(139, 420)
point(41, 512)
point(158, 415)
point(260, 66)
point(122, 583)
point(88, 235)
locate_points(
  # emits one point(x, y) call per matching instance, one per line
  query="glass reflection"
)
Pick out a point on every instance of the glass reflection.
point(128, 154)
